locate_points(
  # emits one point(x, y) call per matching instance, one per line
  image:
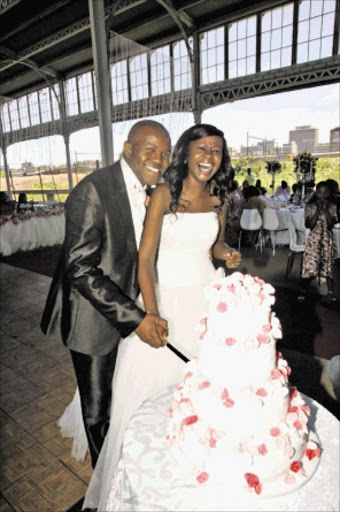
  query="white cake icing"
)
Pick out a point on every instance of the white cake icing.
point(235, 420)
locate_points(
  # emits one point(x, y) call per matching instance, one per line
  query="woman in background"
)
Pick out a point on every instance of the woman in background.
point(318, 258)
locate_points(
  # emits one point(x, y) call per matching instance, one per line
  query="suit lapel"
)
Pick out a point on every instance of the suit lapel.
point(125, 209)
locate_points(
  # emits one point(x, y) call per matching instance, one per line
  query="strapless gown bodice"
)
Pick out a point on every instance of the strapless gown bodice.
point(183, 257)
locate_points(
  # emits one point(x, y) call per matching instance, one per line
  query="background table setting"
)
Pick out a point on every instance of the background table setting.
point(27, 229)
point(148, 478)
point(297, 215)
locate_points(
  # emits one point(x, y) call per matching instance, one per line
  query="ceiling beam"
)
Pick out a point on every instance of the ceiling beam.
point(66, 33)
point(179, 15)
point(33, 19)
point(7, 4)
point(84, 24)
point(12, 57)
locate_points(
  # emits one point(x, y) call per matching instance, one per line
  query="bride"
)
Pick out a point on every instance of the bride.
point(185, 221)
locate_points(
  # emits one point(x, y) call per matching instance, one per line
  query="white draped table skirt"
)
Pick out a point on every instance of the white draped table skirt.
point(31, 234)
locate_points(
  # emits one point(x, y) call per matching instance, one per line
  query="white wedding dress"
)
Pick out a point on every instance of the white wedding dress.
point(183, 270)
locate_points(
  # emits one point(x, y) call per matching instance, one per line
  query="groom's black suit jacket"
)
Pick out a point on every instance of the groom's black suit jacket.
point(91, 302)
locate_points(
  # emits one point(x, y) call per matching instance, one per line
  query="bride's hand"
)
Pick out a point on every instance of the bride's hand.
point(232, 258)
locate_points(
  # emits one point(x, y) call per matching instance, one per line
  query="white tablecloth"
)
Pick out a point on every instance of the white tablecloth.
point(31, 234)
point(147, 477)
point(298, 219)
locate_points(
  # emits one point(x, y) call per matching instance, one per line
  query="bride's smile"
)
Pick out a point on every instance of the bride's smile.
point(205, 157)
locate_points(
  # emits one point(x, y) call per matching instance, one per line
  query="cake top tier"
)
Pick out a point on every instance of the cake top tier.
point(240, 290)
point(239, 308)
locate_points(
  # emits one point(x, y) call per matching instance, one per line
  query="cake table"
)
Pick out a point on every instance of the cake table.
point(148, 479)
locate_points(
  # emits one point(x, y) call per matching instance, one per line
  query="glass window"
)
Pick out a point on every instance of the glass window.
point(71, 93)
point(14, 114)
point(55, 96)
point(6, 125)
point(139, 77)
point(45, 105)
point(160, 71)
point(277, 37)
point(212, 56)
point(181, 65)
point(119, 83)
point(315, 27)
point(244, 47)
point(34, 108)
point(23, 112)
point(85, 87)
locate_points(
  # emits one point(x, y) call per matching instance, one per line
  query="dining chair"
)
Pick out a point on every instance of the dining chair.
point(294, 247)
point(251, 220)
point(271, 224)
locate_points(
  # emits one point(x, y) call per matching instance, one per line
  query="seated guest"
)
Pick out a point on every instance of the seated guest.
point(7, 207)
point(250, 201)
point(22, 200)
point(238, 188)
point(294, 189)
point(245, 184)
point(296, 198)
point(234, 200)
point(283, 191)
point(262, 190)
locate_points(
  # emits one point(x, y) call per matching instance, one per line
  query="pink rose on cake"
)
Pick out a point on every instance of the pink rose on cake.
point(222, 307)
point(312, 450)
point(253, 482)
point(203, 477)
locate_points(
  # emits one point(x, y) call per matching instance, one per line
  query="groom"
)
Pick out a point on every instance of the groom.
point(91, 302)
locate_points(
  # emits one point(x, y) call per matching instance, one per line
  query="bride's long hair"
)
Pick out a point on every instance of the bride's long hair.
point(177, 171)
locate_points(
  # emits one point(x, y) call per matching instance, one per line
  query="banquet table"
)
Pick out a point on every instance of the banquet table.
point(31, 233)
point(148, 478)
point(297, 217)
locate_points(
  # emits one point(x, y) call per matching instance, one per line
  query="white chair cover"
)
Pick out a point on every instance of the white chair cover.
point(294, 247)
point(271, 224)
point(250, 220)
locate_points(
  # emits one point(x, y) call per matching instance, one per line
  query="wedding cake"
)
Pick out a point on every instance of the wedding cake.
point(236, 420)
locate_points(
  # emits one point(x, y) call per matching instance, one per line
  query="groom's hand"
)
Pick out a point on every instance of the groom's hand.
point(152, 330)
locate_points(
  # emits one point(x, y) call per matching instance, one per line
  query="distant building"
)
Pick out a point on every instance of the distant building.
point(305, 137)
point(262, 149)
point(323, 147)
point(334, 140)
point(232, 152)
point(290, 148)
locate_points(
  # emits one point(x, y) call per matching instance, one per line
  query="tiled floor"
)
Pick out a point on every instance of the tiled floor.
point(37, 381)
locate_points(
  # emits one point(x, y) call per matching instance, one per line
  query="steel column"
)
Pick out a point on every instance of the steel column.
point(101, 67)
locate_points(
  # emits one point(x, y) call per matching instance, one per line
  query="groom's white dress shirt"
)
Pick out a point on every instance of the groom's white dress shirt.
point(137, 197)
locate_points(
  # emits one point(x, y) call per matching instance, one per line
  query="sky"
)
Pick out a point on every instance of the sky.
point(267, 117)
